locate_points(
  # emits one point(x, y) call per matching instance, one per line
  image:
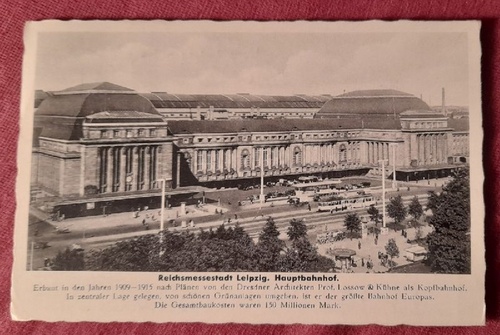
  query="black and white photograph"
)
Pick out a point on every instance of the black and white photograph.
point(173, 170)
point(254, 152)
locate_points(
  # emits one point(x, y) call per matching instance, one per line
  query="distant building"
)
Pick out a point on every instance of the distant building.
point(101, 147)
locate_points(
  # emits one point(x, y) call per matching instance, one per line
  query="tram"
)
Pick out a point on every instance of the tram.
point(349, 203)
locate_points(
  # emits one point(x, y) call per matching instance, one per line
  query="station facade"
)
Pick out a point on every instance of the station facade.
point(105, 146)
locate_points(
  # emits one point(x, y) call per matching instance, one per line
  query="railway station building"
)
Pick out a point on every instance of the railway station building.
point(103, 147)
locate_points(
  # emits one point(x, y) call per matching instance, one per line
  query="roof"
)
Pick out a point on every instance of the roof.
point(376, 93)
point(279, 125)
point(61, 114)
point(376, 102)
point(85, 104)
point(100, 86)
point(57, 127)
point(39, 97)
point(241, 100)
point(459, 124)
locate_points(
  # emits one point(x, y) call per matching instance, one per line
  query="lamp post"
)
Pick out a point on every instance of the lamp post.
point(261, 197)
point(382, 161)
point(394, 182)
point(162, 210)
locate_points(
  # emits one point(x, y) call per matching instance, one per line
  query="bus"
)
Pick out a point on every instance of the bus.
point(306, 191)
point(360, 201)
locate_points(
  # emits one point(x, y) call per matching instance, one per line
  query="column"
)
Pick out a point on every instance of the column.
point(436, 150)
point(178, 172)
point(135, 176)
point(147, 167)
point(445, 147)
point(109, 169)
point(252, 160)
point(369, 147)
point(427, 148)
point(374, 153)
point(123, 162)
point(420, 149)
point(204, 161)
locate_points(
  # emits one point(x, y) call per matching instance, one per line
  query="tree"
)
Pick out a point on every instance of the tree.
point(449, 243)
point(432, 201)
point(415, 208)
point(68, 260)
point(374, 213)
point(352, 223)
point(396, 209)
point(297, 230)
point(391, 248)
point(269, 247)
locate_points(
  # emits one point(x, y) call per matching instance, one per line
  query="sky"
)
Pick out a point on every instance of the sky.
point(258, 63)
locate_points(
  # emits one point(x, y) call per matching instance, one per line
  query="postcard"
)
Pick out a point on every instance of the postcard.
point(250, 172)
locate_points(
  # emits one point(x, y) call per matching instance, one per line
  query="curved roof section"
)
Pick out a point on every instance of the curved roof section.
point(376, 93)
point(61, 114)
point(101, 86)
point(373, 102)
point(240, 100)
point(84, 103)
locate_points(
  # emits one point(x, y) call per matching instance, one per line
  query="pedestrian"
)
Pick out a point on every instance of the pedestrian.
point(309, 206)
point(236, 216)
point(362, 262)
point(143, 222)
point(359, 245)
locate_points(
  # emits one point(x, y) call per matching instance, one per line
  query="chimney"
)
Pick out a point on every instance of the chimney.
point(443, 102)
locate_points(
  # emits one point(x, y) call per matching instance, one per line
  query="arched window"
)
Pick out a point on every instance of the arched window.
point(245, 159)
point(342, 153)
point(297, 156)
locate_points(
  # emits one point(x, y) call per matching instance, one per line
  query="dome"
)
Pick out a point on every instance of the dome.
point(87, 99)
point(371, 103)
point(62, 113)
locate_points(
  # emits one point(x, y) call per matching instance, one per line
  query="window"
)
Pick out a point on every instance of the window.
point(141, 132)
point(297, 156)
point(199, 160)
point(104, 134)
point(265, 157)
point(225, 152)
point(217, 160)
point(152, 132)
point(257, 157)
point(130, 133)
point(116, 133)
point(245, 159)
point(209, 160)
